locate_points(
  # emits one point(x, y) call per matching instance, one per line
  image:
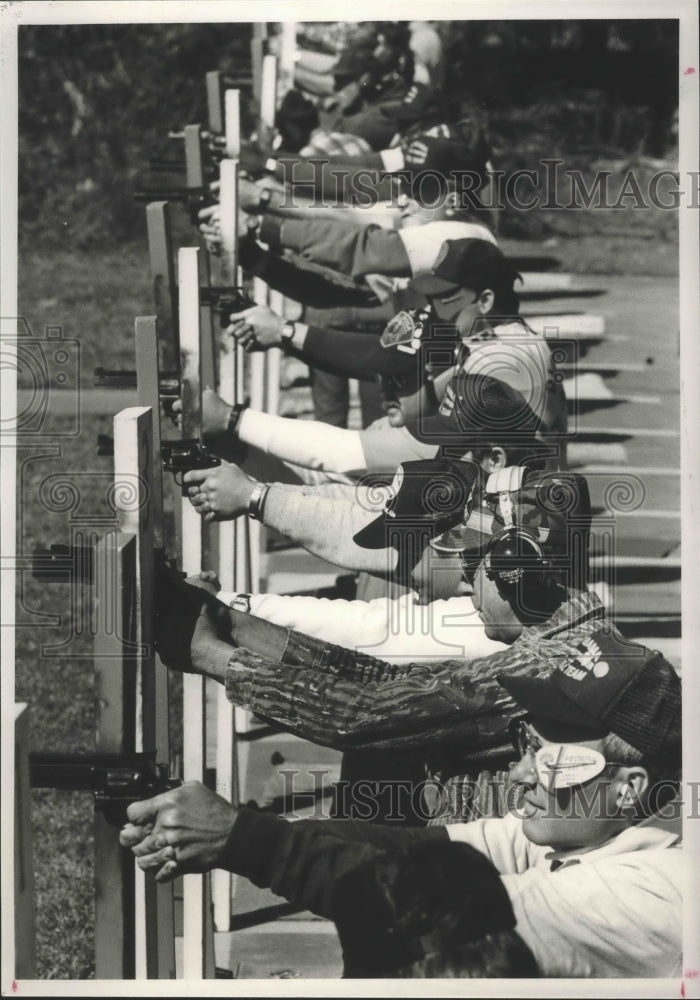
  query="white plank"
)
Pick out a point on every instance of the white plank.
point(193, 713)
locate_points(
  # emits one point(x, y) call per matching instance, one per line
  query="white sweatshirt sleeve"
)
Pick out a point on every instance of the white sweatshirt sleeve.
point(331, 620)
point(397, 631)
point(310, 443)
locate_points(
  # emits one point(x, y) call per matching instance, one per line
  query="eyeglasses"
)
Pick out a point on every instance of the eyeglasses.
point(558, 765)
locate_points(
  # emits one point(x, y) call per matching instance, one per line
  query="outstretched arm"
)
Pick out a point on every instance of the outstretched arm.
point(344, 246)
point(192, 829)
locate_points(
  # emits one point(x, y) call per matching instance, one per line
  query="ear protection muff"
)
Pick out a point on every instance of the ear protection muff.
point(511, 553)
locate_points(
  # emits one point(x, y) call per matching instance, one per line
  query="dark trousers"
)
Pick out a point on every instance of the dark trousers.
point(331, 397)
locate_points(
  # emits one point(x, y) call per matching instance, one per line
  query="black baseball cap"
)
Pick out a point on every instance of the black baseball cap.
point(612, 686)
point(467, 263)
point(296, 109)
point(478, 409)
point(430, 493)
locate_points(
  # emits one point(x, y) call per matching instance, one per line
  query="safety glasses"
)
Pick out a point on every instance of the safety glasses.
point(557, 765)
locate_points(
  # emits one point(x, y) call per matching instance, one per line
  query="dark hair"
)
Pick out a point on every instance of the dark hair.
point(437, 908)
point(529, 453)
point(503, 955)
point(296, 119)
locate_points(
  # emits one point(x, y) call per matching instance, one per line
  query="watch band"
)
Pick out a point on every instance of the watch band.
point(256, 504)
point(241, 602)
point(235, 417)
point(287, 334)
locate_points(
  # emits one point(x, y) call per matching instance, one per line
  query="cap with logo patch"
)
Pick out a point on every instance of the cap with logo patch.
point(613, 686)
point(435, 165)
point(478, 409)
point(468, 263)
point(432, 493)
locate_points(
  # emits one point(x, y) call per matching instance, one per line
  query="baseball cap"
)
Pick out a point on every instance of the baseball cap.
point(430, 493)
point(548, 505)
point(477, 408)
point(612, 686)
point(465, 263)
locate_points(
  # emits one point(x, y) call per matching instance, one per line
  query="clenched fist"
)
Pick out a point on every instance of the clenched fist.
point(221, 493)
point(180, 831)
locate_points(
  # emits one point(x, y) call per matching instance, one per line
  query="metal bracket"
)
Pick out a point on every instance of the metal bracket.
point(63, 564)
point(125, 378)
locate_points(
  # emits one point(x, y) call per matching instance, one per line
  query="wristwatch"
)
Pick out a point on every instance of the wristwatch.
point(241, 602)
point(256, 504)
point(235, 417)
point(287, 334)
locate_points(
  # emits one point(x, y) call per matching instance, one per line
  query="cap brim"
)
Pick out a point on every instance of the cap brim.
point(373, 535)
point(430, 284)
point(541, 697)
point(392, 110)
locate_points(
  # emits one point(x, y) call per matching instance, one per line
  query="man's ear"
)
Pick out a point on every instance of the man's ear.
point(495, 460)
point(632, 784)
point(486, 301)
point(451, 204)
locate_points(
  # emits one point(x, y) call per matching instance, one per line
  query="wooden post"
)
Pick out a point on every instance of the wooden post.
point(215, 104)
point(232, 543)
point(114, 569)
point(24, 913)
point(232, 118)
point(257, 54)
point(274, 360)
point(287, 58)
point(268, 98)
point(194, 717)
point(164, 284)
point(193, 156)
point(138, 498)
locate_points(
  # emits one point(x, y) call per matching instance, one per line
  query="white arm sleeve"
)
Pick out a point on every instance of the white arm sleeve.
point(437, 631)
point(331, 620)
point(310, 443)
point(326, 527)
point(397, 631)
